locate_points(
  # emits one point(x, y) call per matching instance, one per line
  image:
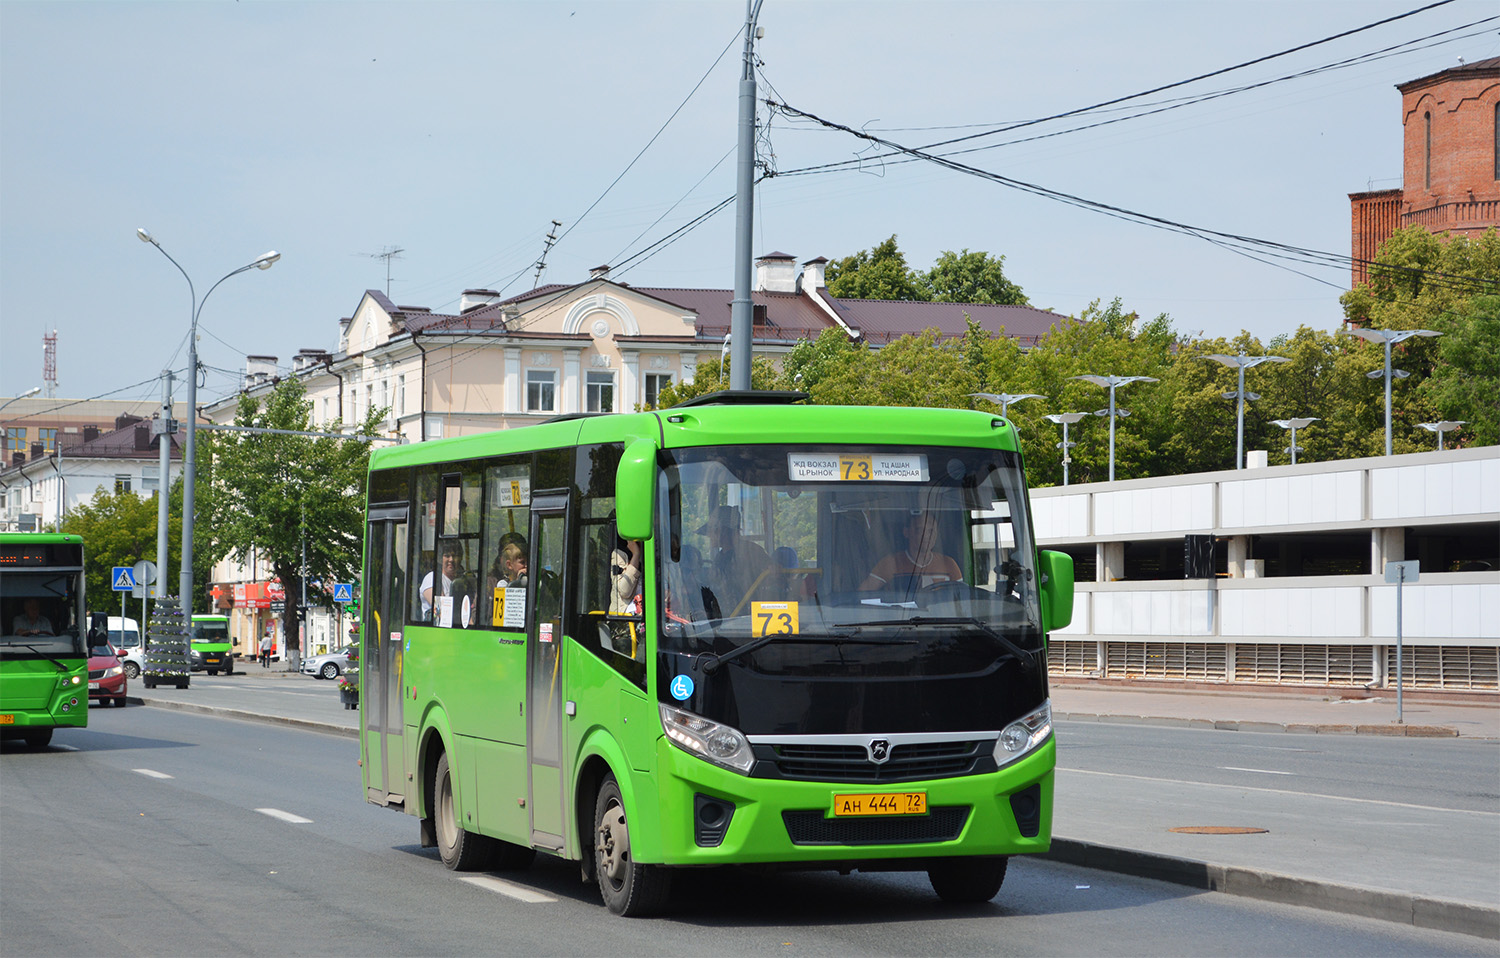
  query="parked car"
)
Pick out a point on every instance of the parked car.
point(330, 665)
point(129, 644)
point(107, 680)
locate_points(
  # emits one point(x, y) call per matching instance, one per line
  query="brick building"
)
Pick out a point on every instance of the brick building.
point(1450, 167)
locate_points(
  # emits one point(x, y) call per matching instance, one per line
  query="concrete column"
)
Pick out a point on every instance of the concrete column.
point(1387, 545)
point(515, 381)
point(1239, 555)
point(1111, 561)
point(630, 381)
point(570, 399)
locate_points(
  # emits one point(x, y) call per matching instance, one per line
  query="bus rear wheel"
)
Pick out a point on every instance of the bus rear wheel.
point(968, 881)
point(628, 888)
point(461, 850)
point(39, 738)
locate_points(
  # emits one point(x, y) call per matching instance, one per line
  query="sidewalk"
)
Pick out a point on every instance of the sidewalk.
point(1110, 825)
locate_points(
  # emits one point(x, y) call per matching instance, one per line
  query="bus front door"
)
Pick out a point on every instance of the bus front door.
point(545, 682)
point(384, 607)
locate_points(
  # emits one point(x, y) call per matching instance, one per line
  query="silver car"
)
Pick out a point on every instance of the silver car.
point(330, 665)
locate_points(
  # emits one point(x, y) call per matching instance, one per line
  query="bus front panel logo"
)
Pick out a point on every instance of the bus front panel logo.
point(879, 750)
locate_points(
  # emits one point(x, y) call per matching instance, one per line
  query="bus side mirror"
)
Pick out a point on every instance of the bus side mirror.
point(98, 628)
point(1056, 569)
point(635, 490)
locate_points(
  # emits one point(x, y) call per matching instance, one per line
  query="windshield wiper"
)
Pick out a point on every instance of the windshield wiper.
point(710, 661)
point(1027, 658)
point(23, 645)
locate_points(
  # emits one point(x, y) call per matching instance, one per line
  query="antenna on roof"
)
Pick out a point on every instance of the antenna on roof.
point(49, 363)
point(387, 253)
point(541, 264)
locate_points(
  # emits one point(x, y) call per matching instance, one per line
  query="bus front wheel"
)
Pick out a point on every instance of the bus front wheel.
point(628, 888)
point(461, 850)
point(968, 881)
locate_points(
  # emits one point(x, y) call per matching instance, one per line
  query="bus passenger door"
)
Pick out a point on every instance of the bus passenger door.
point(384, 605)
point(544, 681)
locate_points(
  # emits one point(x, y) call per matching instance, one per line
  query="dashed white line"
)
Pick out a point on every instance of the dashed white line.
point(508, 889)
point(150, 773)
point(285, 816)
point(1258, 771)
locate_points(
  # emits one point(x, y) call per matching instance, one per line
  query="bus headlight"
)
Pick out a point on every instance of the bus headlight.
point(706, 739)
point(64, 681)
point(1023, 735)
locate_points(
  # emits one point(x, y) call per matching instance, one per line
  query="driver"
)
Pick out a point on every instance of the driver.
point(920, 559)
point(31, 621)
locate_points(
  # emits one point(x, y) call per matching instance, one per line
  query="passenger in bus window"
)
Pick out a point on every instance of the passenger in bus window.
point(919, 564)
point(31, 621)
point(736, 565)
point(625, 578)
point(452, 552)
point(509, 568)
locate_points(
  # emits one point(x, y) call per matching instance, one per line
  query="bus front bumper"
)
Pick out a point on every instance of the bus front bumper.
point(712, 816)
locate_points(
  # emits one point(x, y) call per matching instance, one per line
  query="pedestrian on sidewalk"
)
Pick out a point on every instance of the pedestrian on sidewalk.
point(265, 651)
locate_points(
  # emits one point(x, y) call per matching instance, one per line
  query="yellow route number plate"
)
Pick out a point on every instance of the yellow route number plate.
point(880, 803)
point(7, 720)
point(774, 618)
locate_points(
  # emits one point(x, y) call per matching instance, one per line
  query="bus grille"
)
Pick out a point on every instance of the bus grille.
point(812, 827)
point(851, 763)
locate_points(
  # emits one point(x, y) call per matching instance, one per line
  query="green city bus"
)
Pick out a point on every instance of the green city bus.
point(44, 648)
point(741, 630)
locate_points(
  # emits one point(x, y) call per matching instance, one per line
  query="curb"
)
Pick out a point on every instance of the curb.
point(1419, 911)
point(306, 724)
point(1410, 731)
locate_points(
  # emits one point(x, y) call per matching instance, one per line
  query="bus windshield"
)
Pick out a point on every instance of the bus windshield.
point(211, 631)
point(917, 558)
point(39, 613)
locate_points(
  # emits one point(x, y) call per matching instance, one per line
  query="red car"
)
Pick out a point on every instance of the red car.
point(106, 676)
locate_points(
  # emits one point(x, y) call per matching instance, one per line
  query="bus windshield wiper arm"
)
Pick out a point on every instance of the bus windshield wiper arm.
point(1026, 657)
point(24, 645)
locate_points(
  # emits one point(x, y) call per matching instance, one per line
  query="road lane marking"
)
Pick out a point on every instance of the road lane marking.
point(1260, 771)
point(285, 816)
point(1280, 791)
point(508, 889)
point(151, 773)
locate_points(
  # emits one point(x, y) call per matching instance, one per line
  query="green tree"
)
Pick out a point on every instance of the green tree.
point(967, 277)
point(119, 529)
point(1465, 384)
point(273, 494)
point(878, 273)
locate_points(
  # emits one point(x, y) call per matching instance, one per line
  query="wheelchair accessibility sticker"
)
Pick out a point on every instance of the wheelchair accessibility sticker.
point(682, 688)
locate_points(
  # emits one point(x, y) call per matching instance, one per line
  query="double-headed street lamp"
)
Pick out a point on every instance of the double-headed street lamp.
point(264, 261)
point(1242, 363)
point(1066, 419)
point(1111, 383)
point(1003, 400)
point(1447, 425)
point(1389, 337)
point(1294, 425)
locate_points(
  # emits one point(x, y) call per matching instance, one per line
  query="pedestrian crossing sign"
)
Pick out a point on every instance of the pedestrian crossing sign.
point(123, 578)
point(343, 592)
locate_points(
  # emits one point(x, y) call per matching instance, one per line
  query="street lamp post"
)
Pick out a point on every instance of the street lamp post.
point(1112, 383)
point(1294, 425)
point(1389, 337)
point(1003, 400)
point(30, 392)
point(1066, 419)
point(1447, 425)
point(1242, 363)
point(189, 448)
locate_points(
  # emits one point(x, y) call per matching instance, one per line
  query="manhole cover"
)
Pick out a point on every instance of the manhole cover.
point(1217, 830)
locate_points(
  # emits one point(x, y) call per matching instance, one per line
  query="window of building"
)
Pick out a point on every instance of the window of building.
point(48, 438)
point(1497, 141)
point(149, 483)
point(601, 392)
point(122, 482)
point(655, 383)
point(1427, 151)
point(541, 390)
point(401, 395)
point(15, 439)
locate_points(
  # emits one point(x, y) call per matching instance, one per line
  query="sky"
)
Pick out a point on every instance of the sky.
point(335, 132)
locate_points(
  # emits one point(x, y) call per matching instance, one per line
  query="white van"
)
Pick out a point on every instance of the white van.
point(125, 635)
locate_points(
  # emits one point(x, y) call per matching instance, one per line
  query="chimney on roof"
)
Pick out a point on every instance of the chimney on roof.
point(37, 450)
point(259, 370)
point(122, 421)
point(813, 274)
point(308, 359)
point(776, 273)
point(90, 433)
point(599, 272)
point(475, 298)
point(142, 436)
point(17, 458)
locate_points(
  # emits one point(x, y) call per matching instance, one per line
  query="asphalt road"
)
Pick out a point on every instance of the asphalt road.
point(162, 832)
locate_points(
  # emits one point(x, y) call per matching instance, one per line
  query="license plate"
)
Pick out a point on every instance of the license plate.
point(880, 803)
point(212, 661)
point(93, 685)
point(7, 720)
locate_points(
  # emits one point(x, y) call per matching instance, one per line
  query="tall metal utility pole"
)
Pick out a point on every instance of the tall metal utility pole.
point(164, 427)
point(741, 313)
